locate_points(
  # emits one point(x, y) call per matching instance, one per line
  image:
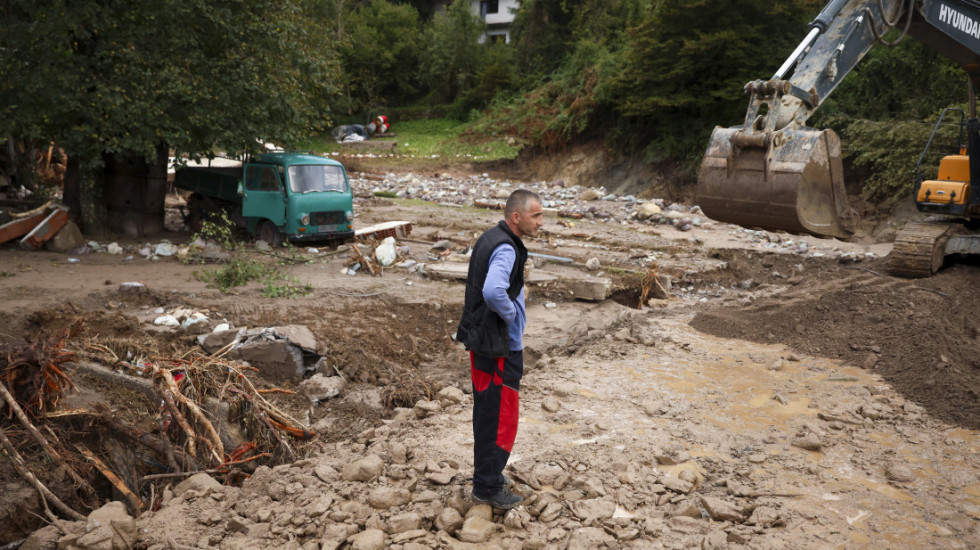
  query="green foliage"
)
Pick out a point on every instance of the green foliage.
point(235, 273)
point(561, 109)
point(687, 63)
point(452, 57)
point(240, 272)
point(116, 76)
point(909, 81)
point(890, 150)
point(885, 112)
point(278, 285)
point(220, 229)
point(381, 57)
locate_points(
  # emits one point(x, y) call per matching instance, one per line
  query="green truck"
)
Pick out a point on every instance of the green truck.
point(275, 196)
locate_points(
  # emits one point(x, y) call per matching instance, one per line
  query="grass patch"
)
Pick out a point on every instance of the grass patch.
point(435, 138)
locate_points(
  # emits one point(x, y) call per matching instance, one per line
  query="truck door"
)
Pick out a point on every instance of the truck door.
point(263, 196)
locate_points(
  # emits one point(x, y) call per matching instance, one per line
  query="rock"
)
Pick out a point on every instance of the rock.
point(424, 408)
point(277, 360)
point(550, 512)
point(364, 469)
point(546, 472)
point(593, 510)
point(439, 246)
point(776, 365)
point(166, 321)
point(685, 508)
point(594, 289)
point(590, 195)
point(218, 339)
point(809, 442)
point(592, 264)
point(369, 539)
point(677, 485)
point(551, 405)
point(69, 237)
point(450, 395)
point(764, 516)
point(45, 538)
point(406, 536)
point(517, 518)
point(163, 249)
point(476, 530)
point(720, 510)
point(383, 498)
point(901, 473)
point(589, 538)
point(320, 388)
point(403, 523)
point(108, 528)
point(199, 483)
point(647, 210)
point(113, 249)
point(443, 476)
point(449, 520)
point(715, 540)
point(262, 246)
point(484, 511)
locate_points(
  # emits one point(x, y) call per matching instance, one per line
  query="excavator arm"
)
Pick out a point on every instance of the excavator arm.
point(774, 172)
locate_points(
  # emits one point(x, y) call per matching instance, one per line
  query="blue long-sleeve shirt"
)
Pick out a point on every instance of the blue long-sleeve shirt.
point(495, 293)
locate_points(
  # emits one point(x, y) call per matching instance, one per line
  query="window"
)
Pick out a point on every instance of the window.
point(488, 6)
point(306, 178)
point(262, 178)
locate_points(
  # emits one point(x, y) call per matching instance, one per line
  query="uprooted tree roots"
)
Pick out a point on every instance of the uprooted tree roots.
point(86, 454)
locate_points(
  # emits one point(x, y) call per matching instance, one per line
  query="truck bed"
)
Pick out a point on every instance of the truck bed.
point(216, 183)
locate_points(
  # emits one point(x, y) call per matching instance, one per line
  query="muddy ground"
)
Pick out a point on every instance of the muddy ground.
point(781, 397)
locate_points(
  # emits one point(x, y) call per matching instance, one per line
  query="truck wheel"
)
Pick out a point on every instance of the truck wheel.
point(269, 233)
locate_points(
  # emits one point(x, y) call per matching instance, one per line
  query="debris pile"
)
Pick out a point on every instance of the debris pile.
point(210, 417)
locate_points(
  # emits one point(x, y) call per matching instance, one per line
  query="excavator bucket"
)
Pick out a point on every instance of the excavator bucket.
point(789, 180)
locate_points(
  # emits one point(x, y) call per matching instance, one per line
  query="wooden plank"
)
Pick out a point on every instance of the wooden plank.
point(18, 228)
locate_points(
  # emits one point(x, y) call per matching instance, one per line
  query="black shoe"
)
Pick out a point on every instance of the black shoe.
point(504, 499)
point(507, 481)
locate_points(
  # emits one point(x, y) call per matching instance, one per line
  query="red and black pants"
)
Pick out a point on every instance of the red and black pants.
point(496, 405)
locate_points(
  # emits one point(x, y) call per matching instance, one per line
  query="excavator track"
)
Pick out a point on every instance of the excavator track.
point(920, 248)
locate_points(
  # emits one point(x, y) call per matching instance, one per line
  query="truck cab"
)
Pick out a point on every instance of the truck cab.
point(277, 196)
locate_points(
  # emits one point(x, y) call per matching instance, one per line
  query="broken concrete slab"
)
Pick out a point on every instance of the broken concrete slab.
point(456, 270)
point(299, 336)
point(278, 360)
point(215, 341)
point(594, 289)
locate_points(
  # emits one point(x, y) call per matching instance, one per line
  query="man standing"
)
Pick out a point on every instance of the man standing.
point(492, 329)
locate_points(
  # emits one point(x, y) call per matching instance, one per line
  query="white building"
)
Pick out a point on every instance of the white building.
point(498, 15)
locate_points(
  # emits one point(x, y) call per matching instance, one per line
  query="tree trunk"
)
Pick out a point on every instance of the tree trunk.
point(92, 199)
point(71, 193)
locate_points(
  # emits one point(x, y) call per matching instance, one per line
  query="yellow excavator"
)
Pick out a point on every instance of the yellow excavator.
point(773, 172)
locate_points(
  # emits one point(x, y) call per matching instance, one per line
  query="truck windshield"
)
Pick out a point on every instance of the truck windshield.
point(308, 178)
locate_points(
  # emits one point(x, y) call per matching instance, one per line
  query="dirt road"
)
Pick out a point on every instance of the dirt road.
point(785, 395)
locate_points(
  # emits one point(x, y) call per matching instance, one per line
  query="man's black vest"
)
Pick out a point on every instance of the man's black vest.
point(481, 330)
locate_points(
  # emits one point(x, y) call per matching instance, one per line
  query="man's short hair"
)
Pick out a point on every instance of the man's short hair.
point(518, 201)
